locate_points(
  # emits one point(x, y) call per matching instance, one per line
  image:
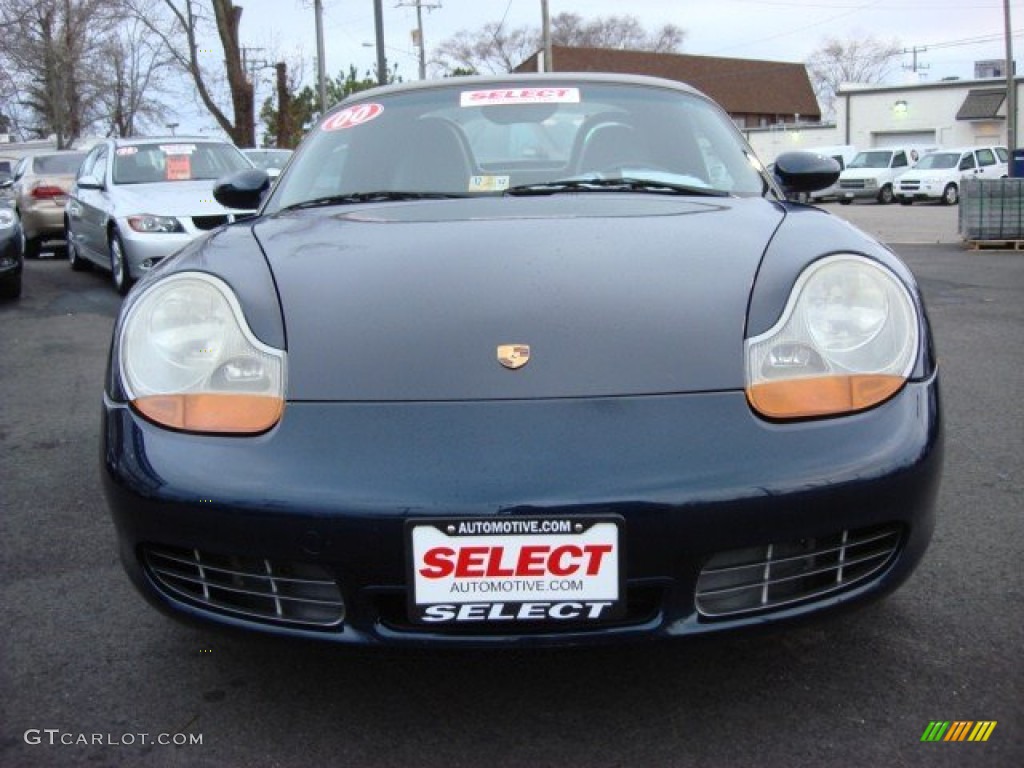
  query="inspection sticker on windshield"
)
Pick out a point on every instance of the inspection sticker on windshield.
point(488, 183)
point(177, 149)
point(523, 569)
point(503, 96)
point(351, 117)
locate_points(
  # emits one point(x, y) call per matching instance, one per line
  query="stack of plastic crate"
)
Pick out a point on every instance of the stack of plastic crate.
point(992, 209)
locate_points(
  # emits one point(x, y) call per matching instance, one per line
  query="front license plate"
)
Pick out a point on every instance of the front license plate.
point(469, 571)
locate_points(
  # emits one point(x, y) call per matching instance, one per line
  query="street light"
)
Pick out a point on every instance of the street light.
point(172, 126)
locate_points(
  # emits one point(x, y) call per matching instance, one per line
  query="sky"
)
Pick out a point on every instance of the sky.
point(956, 33)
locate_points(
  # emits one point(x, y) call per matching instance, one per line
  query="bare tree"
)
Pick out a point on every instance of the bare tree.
point(622, 32)
point(489, 50)
point(855, 60)
point(50, 62)
point(182, 25)
point(138, 62)
point(493, 49)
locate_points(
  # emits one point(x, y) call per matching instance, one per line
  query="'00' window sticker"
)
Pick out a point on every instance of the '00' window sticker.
point(351, 117)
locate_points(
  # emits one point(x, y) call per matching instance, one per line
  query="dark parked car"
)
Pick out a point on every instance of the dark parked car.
point(12, 252)
point(540, 359)
point(6, 178)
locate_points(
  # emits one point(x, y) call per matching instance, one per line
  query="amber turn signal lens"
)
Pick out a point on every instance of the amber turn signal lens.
point(822, 396)
point(220, 413)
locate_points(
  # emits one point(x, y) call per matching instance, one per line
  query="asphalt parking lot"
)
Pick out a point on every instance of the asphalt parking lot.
point(84, 658)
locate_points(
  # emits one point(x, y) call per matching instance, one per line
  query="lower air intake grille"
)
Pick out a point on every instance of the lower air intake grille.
point(253, 588)
point(209, 222)
point(764, 578)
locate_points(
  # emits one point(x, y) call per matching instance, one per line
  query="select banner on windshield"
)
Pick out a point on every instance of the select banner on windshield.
point(504, 96)
point(524, 569)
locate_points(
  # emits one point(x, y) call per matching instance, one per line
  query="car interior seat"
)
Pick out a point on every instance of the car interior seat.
point(611, 146)
point(436, 160)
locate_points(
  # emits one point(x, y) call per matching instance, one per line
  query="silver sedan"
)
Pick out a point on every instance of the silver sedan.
point(137, 201)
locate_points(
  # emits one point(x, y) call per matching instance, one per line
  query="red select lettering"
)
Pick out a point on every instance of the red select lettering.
point(532, 560)
point(520, 94)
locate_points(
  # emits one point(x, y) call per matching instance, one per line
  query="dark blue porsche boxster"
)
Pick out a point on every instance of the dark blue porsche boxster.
point(539, 359)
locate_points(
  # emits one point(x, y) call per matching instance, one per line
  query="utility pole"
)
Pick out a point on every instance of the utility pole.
point(545, 26)
point(914, 67)
point(1011, 88)
point(418, 32)
point(378, 24)
point(321, 67)
point(249, 66)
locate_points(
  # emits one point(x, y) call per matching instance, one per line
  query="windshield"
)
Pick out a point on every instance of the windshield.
point(55, 165)
point(486, 139)
point(169, 161)
point(267, 159)
point(939, 160)
point(871, 160)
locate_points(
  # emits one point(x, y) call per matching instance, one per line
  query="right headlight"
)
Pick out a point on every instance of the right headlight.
point(847, 340)
point(189, 361)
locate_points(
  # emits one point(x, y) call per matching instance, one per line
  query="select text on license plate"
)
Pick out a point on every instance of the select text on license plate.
point(557, 570)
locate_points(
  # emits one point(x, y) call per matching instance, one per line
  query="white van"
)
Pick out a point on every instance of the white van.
point(938, 175)
point(873, 173)
point(842, 154)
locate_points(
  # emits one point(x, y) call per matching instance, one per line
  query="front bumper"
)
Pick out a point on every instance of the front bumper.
point(143, 251)
point(11, 256)
point(921, 193)
point(869, 193)
point(332, 486)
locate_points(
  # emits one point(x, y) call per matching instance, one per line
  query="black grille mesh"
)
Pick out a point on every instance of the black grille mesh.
point(763, 578)
point(253, 588)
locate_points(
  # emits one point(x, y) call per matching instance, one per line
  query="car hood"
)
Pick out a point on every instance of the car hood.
point(933, 173)
point(862, 173)
point(613, 294)
point(171, 198)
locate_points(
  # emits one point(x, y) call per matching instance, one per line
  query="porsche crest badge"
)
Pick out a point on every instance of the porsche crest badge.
point(513, 355)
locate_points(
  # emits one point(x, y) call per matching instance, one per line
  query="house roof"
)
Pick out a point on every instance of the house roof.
point(740, 86)
point(981, 104)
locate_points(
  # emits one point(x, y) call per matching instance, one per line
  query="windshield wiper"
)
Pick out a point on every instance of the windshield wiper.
point(621, 184)
point(380, 196)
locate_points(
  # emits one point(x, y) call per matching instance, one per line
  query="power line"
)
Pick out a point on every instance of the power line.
point(974, 40)
point(854, 9)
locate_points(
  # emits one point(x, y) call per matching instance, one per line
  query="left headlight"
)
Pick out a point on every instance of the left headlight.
point(847, 340)
point(189, 361)
point(150, 224)
point(7, 218)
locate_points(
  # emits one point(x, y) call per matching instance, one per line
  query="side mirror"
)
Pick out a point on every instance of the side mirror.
point(243, 189)
point(6, 183)
point(89, 182)
point(805, 171)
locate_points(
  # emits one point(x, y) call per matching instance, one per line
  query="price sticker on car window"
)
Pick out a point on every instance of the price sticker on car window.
point(178, 168)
